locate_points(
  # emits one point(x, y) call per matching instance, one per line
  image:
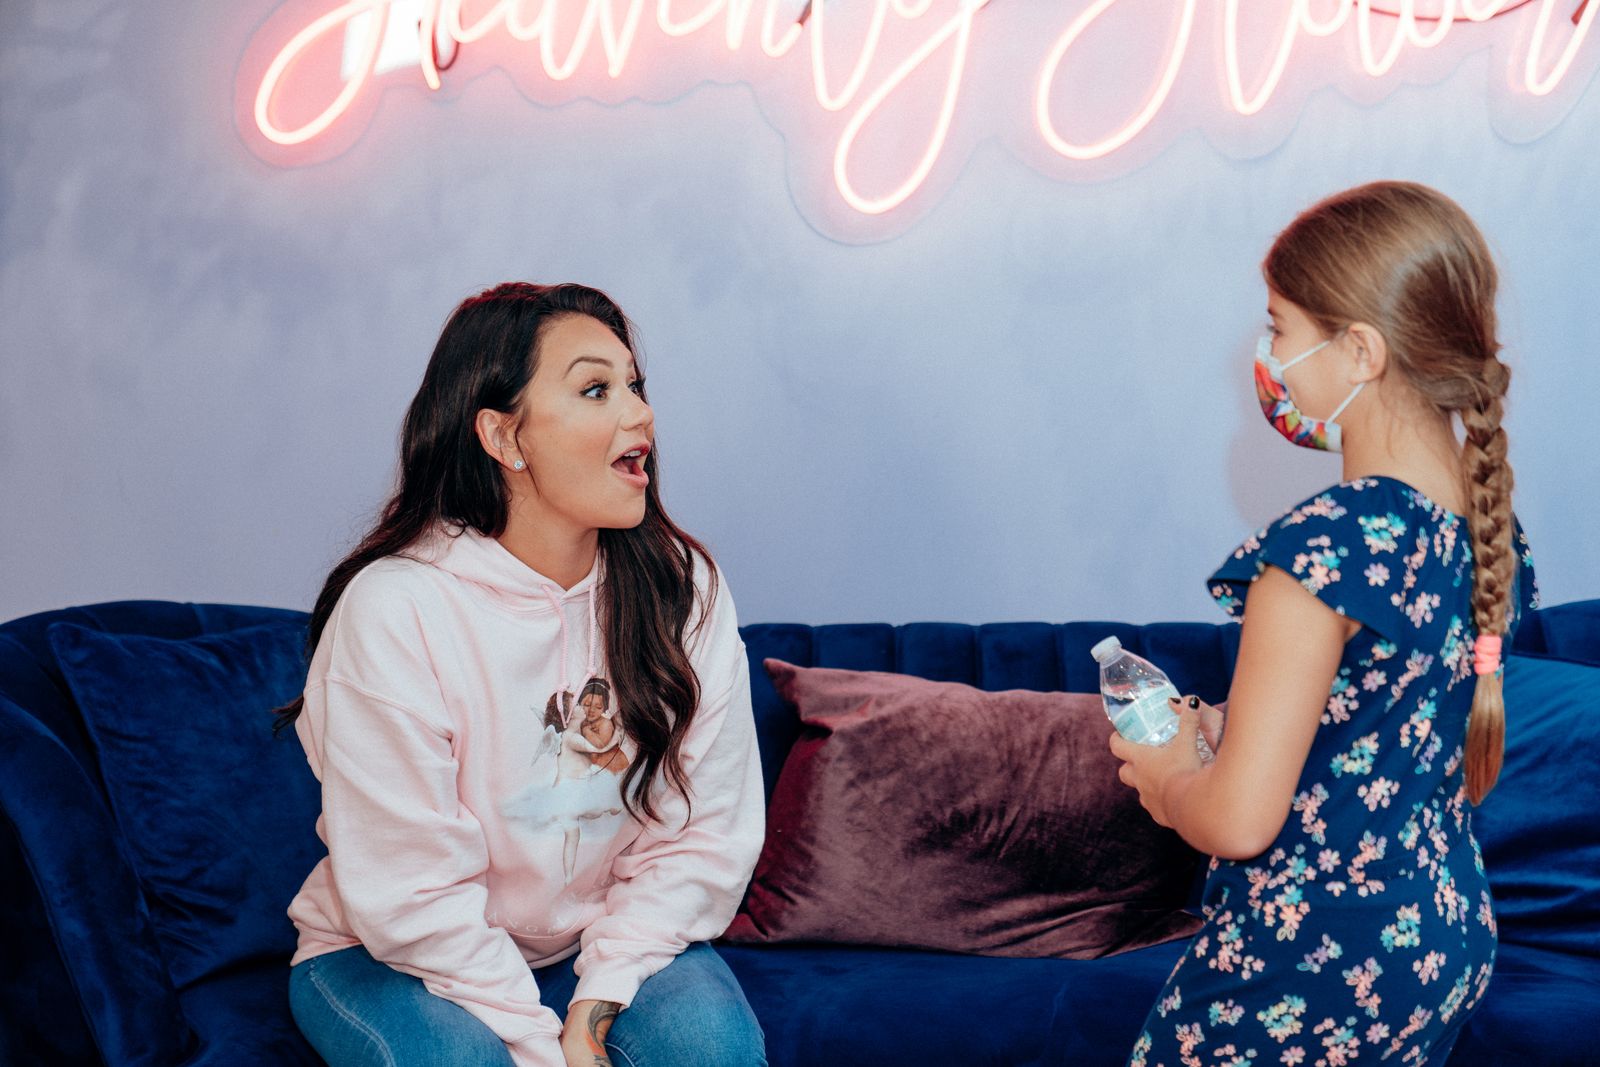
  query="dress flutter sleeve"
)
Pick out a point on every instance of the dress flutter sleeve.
point(1348, 546)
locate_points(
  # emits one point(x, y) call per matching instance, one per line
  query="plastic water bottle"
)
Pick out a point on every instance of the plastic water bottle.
point(1135, 692)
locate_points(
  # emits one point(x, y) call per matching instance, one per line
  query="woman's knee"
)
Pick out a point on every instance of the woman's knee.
point(693, 1011)
point(454, 1038)
point(357, 1012)
point(705, 1037)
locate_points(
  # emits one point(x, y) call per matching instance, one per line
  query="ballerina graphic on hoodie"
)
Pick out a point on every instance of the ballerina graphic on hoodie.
point(590, 755)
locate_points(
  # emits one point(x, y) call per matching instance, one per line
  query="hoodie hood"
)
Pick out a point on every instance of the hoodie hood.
point(491, 569)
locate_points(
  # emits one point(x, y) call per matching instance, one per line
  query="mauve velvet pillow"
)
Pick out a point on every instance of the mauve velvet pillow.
point(932, 815)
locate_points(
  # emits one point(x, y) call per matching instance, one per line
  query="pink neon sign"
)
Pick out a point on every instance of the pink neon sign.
point(1409, 28)
point(897, 70)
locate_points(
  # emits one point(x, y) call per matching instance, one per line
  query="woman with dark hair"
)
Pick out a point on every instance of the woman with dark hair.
point(458, 918)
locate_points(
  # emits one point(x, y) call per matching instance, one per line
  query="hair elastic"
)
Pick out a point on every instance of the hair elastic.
point(1486, 654)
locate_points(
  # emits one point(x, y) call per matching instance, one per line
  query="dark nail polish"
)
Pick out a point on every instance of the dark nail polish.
point(1194, 703)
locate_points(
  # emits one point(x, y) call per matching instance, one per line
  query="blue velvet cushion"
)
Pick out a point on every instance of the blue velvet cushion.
point(1538, 828)
point(217, 814)
point(87, 930)
point(833, 1005)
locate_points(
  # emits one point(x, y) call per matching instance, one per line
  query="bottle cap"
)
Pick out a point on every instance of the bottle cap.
point(1106, 650)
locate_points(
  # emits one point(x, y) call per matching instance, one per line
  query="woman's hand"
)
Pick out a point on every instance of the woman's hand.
point(1154, 769)
point(583, 1038)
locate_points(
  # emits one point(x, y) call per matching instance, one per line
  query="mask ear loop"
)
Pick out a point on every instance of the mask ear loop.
point(1340, 409)
point(1307, 354)
point(1353, 394)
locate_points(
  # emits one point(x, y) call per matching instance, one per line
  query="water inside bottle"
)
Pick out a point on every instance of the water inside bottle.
point(1140, 711)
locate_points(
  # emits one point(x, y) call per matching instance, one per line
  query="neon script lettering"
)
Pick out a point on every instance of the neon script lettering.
point(895, 53)
point(1406, 27)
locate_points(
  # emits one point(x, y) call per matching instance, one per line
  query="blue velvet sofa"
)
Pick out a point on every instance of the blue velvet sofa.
point(89, 972)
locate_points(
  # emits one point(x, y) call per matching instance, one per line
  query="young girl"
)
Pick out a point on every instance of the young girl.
point(460, 916)
point(1347, 909)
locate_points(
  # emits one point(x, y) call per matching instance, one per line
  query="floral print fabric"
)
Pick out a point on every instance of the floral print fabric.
point(1366, 932)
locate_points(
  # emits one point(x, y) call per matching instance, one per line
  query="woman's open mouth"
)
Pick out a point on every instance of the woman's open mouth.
point(630, 466)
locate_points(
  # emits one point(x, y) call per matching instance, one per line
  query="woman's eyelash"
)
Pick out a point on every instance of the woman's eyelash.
point(637, 385)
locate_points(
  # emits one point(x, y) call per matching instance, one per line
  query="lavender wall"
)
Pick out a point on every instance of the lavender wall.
point(1033, 402)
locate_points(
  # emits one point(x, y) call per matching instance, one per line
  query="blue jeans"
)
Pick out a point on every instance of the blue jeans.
point(357, 1012)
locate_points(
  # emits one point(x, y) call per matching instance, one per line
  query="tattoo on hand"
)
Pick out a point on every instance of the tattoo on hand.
point(599, 1025)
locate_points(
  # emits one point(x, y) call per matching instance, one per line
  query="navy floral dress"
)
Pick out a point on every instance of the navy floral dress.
point(1366, 931)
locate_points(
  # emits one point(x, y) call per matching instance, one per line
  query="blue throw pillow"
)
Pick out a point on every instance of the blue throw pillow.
point(218, 816)
point(1538, 828)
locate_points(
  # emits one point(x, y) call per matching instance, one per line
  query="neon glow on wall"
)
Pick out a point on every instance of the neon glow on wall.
point(899, 67)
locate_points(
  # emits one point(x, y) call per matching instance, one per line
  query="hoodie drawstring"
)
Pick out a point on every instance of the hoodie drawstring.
point(593, 662)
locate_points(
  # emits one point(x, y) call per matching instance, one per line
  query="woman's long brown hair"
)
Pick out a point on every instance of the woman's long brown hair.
point(484, 358)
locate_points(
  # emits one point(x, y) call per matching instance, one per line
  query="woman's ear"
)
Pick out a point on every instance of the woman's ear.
point(497, 433)
point(1369, 353)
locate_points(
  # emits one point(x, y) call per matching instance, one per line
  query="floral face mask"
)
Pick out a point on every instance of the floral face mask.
point(1281, 411)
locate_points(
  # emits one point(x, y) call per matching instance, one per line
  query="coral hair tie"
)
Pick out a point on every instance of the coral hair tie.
point(1486, 654)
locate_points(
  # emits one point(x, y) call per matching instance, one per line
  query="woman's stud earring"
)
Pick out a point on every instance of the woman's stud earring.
point(518, 465)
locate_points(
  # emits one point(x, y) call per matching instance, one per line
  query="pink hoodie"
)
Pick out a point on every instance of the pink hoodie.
point(469, 835)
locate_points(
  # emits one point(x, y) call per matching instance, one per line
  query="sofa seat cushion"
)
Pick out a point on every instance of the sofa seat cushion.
point(217, 815)
point(835, 1006)
point(838, 1006)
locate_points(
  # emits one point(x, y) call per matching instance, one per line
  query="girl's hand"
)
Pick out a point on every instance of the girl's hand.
point(1211, 720)
point(1153, 769)
point(583, 1038)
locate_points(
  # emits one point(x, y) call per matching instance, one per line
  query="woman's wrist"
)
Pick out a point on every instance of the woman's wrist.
point(588, 1025)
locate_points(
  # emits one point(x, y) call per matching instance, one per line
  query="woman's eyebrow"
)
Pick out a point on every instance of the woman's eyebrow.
point(606, 363)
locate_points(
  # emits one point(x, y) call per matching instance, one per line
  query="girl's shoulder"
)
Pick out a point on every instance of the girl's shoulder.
point(1380, 513)
point(1374, 549)
point(1374, 502)
point(1352, 546)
